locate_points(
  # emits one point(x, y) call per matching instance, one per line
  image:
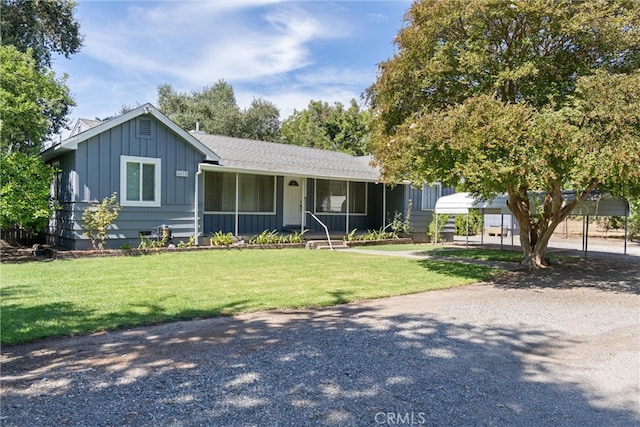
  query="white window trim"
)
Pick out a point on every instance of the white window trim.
point(438, 195)
point(233, 212)
point(157, 180)
point(315, 199)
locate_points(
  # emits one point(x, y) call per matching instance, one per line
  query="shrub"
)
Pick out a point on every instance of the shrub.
point(221, 239)
point(401, 226)
point(148, 242)
point(296, 237)
point(475, 223)
point(98, 217)
point(634, 220)
point(442, 222)
point(267, 237)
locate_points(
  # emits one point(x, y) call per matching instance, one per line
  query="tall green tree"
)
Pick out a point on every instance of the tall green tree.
point(329, 127)
point(501, 96)
point(214, 108)
point(45, 26)
point(34, 102)
point(261, 121)
point(24, 191)
point(215, 111)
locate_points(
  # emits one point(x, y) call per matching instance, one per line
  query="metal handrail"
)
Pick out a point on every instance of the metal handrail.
point(326, 230)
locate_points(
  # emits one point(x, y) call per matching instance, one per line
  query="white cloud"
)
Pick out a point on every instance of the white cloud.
point(286, 52)
point(194, 41)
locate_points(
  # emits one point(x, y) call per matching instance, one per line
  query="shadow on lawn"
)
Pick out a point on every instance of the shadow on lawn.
point(19, 323)
point(343, 365)
point(621, 275)
point(468, 269)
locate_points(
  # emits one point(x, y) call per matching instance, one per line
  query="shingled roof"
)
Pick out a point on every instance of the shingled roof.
point(286, 159)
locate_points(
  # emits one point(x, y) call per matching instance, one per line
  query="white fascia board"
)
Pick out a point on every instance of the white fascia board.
point(221, 168)
point(71, 144)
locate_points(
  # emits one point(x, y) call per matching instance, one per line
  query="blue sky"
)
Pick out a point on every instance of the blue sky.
point(288, 52)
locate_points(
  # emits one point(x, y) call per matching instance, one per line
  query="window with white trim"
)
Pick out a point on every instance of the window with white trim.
point(430, 195)
point(331, 196)
point(140, 179)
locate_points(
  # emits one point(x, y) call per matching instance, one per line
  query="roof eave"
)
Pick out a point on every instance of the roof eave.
point(71, 143)
point(222, 168)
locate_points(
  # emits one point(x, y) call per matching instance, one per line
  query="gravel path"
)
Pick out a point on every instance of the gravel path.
point(556, 347)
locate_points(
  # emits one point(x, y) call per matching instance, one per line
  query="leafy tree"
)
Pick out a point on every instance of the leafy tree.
point(216, 112)
point(214, 108)
point(495, 96)
point(261, 121)
point(44, 26)
point(33, 102)
point(328, 127)
point(24, 191)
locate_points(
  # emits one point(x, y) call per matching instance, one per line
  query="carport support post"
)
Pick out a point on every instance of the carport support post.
point(511, 230)
point(436, 230)
point(466, 245)
point(501, 228)
point(626, 229)
point(585, 234)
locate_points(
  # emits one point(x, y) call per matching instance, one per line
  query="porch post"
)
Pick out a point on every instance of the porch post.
point(384, 202)
point(347, 218)
point(237, 219)
point(303, 207)
point(195, 209)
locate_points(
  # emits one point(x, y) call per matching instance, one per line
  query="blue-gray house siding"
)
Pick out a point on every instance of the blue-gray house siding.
point(93, 171)
point(104, 159)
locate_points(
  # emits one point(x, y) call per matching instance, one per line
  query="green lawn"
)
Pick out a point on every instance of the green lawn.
point(399, 247)
point(477, 254)
point(44, 299)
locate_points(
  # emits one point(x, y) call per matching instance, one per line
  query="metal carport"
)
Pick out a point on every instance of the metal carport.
point(595, 204)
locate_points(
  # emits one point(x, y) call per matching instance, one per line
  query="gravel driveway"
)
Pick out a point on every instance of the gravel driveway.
point(555, 347)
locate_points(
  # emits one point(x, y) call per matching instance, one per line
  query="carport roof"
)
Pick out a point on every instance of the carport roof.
point(596, 204)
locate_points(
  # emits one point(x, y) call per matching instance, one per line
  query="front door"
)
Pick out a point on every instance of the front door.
point(292, 215)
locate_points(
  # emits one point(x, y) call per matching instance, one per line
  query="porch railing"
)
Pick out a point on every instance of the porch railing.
point(326, 230)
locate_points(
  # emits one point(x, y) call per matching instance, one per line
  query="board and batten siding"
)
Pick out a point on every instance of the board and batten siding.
point(95, 171)
point(421, 218)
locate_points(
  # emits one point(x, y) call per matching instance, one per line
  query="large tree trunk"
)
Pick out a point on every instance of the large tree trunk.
point(537, 228)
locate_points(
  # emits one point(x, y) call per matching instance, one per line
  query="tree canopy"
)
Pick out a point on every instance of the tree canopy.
point(34, 102)
point(215, 110)
point(329, 127)
point(24, 191)
point(44, 26)
point(522, 97)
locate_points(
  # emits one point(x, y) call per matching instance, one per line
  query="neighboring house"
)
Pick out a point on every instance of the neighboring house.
point(84, 125)
point(198, 184)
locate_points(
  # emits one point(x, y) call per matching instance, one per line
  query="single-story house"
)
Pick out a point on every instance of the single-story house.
point(198, 184)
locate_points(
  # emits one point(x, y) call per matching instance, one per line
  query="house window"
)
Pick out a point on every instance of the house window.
point(430, 195)
point(331, 196)
point(140, 180)
point(256, 193)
